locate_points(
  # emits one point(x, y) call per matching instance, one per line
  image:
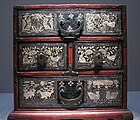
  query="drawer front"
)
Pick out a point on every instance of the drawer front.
point(50, 22)
point(42, 56)
point(98, 55)
point(53, 56)
point(70, 92)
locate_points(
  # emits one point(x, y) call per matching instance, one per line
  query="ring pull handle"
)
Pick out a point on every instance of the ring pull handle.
point(69, 33)
point(70, 24)
point(71, 101)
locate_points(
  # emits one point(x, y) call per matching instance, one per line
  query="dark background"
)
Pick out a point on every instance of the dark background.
point(6, 37)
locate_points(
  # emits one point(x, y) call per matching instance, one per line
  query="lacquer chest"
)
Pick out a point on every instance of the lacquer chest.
point(70, 63)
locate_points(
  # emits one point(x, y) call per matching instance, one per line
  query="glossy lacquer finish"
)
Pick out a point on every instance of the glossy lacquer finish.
point(70, 62)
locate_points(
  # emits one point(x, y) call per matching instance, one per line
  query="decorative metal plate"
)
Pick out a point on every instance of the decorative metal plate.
point(86, 55)
point(67, 91)
point(42, 56)
point(70, 92)
point(70, 23)
point(90, 21)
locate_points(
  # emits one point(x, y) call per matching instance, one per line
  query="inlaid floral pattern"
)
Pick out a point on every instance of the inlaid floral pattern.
point(93, 22)
point(88, 90)
point(37, 22)
point(85, 55)
point(50, 55)
point(38, 89)
point(103, 22)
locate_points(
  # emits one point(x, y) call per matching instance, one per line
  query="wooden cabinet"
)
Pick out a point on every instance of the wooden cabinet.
point(70, 62)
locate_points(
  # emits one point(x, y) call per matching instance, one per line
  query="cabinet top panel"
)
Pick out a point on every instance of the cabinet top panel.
point(70, 6)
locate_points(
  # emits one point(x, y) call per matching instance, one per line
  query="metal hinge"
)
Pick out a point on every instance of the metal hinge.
point(70, 71)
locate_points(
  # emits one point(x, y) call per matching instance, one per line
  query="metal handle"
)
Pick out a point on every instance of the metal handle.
point(73, 32)
point(71, 101)
point(98, 58)
point(41, 61)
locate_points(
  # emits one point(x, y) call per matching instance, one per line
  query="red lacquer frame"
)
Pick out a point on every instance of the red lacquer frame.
point(121, 113)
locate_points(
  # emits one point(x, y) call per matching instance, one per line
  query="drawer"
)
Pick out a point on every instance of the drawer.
point(42, 56)
point(98, 55)
point(52, 22)
point(70, 92)
point(54, 56)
